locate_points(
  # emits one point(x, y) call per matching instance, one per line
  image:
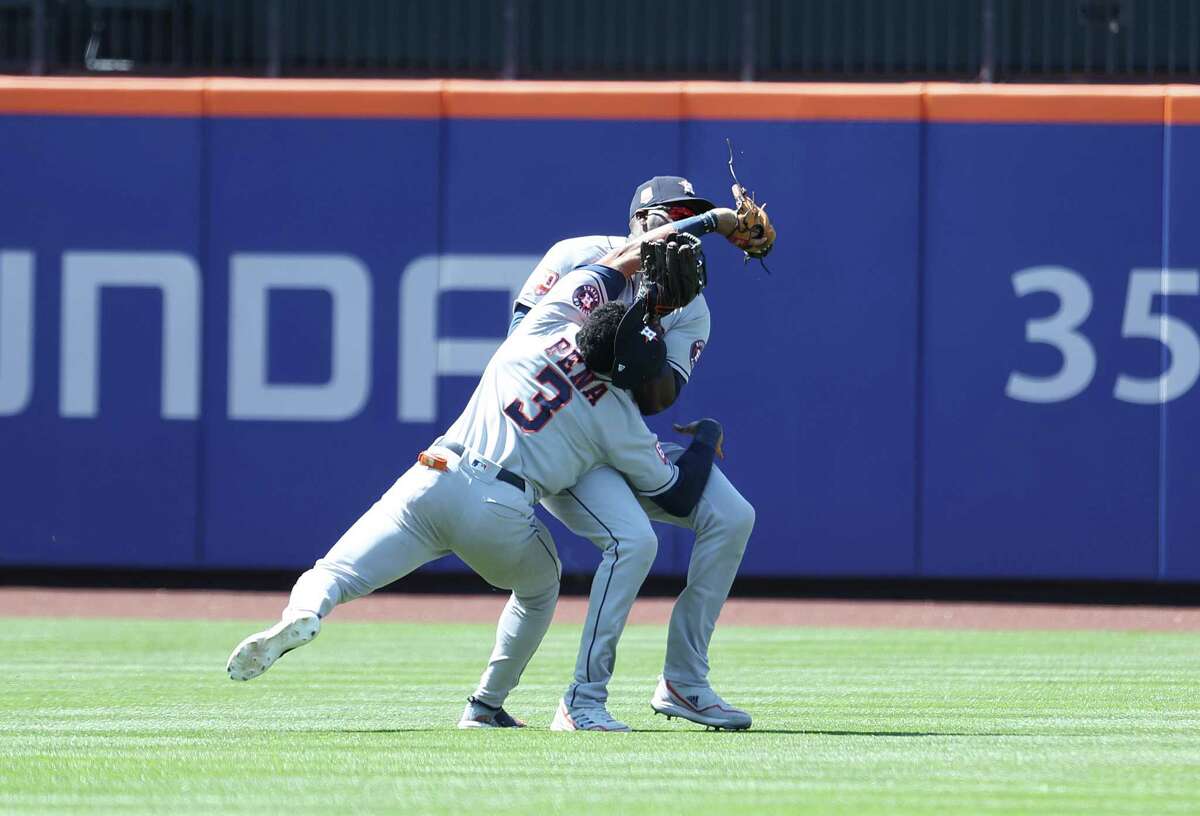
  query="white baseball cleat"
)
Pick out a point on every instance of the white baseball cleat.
point(481, 715)
point(700, 704)
point(257, 653)
point(593, 718)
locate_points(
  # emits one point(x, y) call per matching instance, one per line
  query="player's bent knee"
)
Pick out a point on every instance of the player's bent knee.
point(350, 585)
point(735, 520)
point(639, 551)
point(540, 599)
point(743, 517)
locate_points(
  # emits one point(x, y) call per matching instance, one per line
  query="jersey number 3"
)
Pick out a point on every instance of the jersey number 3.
point(546, 406)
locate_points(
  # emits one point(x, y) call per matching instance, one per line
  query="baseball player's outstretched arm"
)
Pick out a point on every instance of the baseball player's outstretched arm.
point(628, 259)
point(694, 466)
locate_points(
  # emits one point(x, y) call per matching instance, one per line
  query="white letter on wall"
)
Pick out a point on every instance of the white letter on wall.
point(348, 282)
point(16, 331)
point(422, 355)
point(173, 274)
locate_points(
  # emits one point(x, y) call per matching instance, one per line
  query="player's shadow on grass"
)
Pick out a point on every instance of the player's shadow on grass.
point(823, 733)
point(414, 730)
point(798, 731)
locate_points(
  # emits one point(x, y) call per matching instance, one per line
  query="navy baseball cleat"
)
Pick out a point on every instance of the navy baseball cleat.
point(700, 704)
point(481, 715)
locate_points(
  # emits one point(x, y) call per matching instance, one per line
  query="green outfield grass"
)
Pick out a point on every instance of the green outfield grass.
point(139, 717)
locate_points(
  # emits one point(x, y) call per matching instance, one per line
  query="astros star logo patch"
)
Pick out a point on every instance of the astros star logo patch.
point(586, 297)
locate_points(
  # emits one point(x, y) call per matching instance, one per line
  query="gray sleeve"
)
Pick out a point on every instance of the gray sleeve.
point(632, 448)
point(558, 261)
point(571, 301)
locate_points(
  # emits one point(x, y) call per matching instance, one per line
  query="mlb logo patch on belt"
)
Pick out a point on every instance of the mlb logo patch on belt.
point(432, 460)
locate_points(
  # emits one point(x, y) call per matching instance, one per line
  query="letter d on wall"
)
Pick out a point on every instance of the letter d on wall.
point(348, 283)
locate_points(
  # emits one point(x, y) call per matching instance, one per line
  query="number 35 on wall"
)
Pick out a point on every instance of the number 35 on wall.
point(1061, 330)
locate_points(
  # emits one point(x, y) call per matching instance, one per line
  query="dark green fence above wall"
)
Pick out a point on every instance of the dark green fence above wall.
point(1002, 40)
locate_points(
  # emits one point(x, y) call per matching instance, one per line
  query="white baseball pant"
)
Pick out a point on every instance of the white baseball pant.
point(603, 508)
point(427, 514)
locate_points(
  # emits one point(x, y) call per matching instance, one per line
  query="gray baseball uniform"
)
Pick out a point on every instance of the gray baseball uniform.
point(537, 413)
point(601, 506)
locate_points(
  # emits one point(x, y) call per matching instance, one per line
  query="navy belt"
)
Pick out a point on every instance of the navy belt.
point(503, 474)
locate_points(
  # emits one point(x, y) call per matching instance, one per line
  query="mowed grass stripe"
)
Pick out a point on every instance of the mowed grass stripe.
point(138, 716)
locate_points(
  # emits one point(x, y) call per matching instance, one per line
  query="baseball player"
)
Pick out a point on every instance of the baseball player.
point(603, 507)
point(542, 414)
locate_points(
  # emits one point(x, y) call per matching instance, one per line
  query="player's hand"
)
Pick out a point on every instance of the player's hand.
point(690, 430)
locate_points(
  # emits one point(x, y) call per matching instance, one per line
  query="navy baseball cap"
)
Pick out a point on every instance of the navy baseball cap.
point(668, 190)
point(639, 352)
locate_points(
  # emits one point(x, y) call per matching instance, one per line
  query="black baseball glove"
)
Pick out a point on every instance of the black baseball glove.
point(673, 273)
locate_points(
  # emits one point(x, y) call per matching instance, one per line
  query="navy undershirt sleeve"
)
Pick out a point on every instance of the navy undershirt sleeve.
point(694, 465)
point(698, 225)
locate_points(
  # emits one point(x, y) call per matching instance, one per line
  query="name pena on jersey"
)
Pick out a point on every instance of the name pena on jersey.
point(566, 358)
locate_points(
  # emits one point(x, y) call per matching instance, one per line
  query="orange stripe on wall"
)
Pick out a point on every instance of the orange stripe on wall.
point(492, 99)
point(946, 102)
point(316, 98)
point(102, 97)
point(1183, 105)
point(801, 101)
point(499, 99)
point(488, 99)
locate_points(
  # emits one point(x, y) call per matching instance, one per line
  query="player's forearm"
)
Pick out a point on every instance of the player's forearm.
point(725, 219)
point(695, 465)
point(660, 393)
point(627, 259)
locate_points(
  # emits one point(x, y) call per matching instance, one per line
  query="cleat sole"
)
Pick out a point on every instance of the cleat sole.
point(257, 653)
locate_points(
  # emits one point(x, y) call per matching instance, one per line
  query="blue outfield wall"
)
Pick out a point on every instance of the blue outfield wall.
point(1059, 479)
point(947, 372)
point(1180, 449)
